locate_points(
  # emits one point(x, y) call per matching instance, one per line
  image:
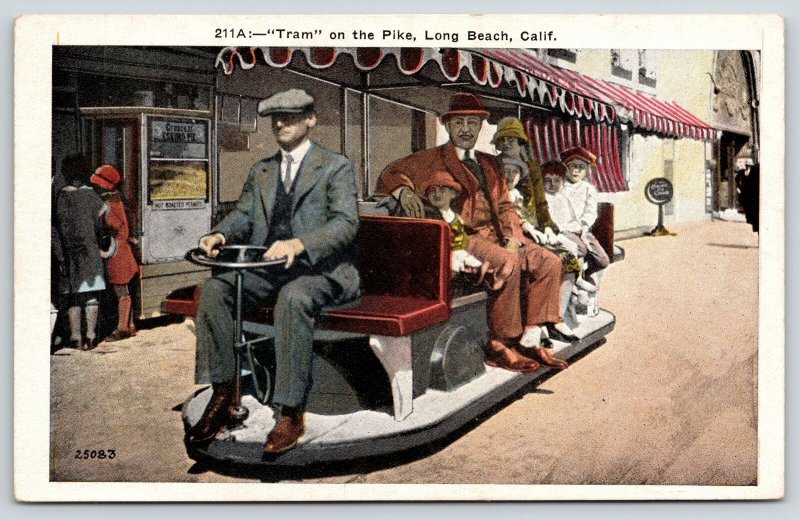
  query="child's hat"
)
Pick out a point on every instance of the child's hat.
point(524, 171)
point(554, 168)
point(442, 178)
point(106, 176)
point(578, 152)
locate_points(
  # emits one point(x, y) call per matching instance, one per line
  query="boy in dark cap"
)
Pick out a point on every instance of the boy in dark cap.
point(301, 204)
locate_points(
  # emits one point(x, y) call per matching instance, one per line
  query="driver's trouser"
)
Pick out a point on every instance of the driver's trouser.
point(298, 296)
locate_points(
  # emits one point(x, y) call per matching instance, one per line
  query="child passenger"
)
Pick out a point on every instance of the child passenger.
point(468, 256)
point(573, 206)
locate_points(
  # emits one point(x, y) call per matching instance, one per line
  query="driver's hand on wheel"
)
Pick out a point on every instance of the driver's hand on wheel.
point(288, 249)
point(210, 244)
point(411, 203)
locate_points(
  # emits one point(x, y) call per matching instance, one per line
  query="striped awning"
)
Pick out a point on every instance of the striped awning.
point(643, 111)
point(574, 94)
point(550, 137)
point(483, 71)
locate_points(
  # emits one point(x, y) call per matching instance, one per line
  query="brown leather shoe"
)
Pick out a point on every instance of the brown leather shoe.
point(285, 434)
point(545, 357)
point(500, 356)
point(216, 415)
point(117, 335)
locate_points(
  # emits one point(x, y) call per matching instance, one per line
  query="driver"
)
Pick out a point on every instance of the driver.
point(301, 204)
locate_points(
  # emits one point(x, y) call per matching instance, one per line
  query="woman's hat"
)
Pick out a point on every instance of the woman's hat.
point(510, 127)
point(578, 152)
point(106, 176)
point(464, 104)
point(554, 168)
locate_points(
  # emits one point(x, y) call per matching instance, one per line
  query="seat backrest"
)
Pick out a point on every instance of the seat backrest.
point(404, 257)
point(603, 228)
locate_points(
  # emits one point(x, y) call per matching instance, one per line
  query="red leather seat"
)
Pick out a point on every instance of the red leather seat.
point(405, 280)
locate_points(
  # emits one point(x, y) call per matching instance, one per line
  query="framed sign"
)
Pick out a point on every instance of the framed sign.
point(659, 191)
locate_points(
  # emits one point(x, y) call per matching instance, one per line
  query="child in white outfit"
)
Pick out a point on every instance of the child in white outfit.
point(573, 208)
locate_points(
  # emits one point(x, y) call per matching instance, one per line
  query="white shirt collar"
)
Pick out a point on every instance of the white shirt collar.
point(461, 152)
point(298, 153)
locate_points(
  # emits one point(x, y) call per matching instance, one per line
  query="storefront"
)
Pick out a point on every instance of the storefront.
point(149, 112)
point(181, 123)
point(380, 104)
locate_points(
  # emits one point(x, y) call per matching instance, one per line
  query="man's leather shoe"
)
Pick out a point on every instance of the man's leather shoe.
point(546, 357)
point(216, 415)
point(500, 356)
point(285, 434)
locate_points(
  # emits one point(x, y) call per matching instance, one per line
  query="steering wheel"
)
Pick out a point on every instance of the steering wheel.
point(241, 258)
point(234, 257)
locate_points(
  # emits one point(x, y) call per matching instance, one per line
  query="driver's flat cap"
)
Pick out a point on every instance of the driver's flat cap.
point(293, 101)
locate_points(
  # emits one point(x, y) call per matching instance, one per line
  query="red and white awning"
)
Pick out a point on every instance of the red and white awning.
point(643, 111)
point(552, 136)
point(576, 95)
point(483, 70)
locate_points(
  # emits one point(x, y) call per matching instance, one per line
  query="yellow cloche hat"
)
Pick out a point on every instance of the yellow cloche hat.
point(510, 127)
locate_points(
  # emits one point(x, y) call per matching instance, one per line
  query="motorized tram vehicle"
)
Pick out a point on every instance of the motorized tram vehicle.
point(399, 368)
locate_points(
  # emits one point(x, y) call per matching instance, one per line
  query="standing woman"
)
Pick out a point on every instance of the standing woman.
point(122, 266)
point(78, 218)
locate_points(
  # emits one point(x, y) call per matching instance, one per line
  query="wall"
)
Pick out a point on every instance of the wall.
point(681, 77)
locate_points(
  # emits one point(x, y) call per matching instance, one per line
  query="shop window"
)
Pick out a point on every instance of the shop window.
point(647, 70)
point(622, 63)
point(569, 55)
point(238, 117)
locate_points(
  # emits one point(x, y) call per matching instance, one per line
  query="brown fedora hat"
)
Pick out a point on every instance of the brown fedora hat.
point(465, 104)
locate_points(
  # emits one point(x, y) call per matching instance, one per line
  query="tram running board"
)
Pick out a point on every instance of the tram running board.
point(368, 433)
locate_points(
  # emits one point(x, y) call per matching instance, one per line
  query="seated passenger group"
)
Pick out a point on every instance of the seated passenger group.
point(531, 252)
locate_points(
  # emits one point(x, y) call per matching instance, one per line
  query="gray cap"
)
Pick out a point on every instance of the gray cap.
point(292, 101)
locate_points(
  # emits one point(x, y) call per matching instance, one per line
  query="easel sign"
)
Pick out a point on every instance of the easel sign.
point(659, 191)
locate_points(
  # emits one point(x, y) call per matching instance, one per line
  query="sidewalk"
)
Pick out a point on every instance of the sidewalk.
point(670, 398)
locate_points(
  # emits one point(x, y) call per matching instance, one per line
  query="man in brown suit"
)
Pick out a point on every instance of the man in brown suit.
point(518, 342)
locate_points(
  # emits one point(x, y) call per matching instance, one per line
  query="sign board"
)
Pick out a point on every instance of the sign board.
point(659, 191)
point(178, 139)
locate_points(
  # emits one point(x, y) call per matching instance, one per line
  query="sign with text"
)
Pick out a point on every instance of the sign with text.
point(659, 191)
point(178, 139)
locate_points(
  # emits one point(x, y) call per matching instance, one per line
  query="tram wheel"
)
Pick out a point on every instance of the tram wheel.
point(263, 371)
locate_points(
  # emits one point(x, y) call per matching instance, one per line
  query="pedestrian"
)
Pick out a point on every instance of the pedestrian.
point(302, 204)
point(750, 195)
point(79, 220)
point(122, 266)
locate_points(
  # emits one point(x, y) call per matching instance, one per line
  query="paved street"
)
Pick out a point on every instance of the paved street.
point(670, 398)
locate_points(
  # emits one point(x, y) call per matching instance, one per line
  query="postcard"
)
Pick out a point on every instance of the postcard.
point(371, 258)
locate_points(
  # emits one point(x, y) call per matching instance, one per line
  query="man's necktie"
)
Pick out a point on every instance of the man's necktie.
point(477, 171)
point(475, 168)
point(287, 174)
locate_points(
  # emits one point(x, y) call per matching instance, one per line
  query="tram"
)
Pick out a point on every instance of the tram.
point(401, 367)
point(404, 365)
